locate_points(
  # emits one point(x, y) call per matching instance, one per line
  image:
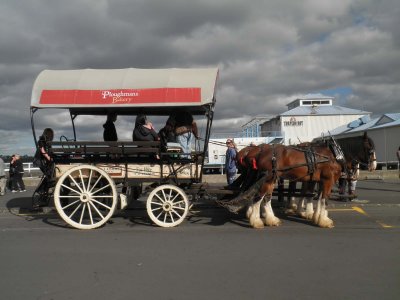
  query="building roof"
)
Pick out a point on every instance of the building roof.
point(323, 110)
point(365, 123)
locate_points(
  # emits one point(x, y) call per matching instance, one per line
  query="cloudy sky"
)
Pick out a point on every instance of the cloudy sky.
point(268, 52)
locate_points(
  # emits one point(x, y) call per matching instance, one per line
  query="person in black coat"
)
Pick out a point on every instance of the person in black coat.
point(144, 130)
point(110, 133)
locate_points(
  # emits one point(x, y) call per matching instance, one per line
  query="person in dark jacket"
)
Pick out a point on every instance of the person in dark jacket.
point(144, 130)
point(167, 133)
point(42, 158)
point(110, 133)
point(18, 183)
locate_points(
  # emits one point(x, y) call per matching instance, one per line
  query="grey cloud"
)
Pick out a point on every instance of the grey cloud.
point(268, 52)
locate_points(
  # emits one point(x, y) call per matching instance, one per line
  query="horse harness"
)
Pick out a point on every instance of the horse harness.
point(311, 161)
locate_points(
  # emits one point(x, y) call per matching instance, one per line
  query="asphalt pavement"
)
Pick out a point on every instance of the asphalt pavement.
point(212, 255)
point(369, 192)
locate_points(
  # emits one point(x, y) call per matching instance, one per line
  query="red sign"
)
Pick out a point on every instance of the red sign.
point(120, 96)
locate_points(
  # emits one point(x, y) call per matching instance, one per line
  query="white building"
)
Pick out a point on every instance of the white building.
point(310, 116)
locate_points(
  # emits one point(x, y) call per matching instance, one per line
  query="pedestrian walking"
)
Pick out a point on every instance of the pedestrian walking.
point(3, 180)
point(18, 183)
point(10, 173)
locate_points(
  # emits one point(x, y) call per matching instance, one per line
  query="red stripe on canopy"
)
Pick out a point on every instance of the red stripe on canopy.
point(121, 96)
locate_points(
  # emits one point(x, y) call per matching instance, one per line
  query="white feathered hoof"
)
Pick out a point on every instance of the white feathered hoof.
point(256, 223)
point(272, 221)
point(325, 223)
point(309, 216)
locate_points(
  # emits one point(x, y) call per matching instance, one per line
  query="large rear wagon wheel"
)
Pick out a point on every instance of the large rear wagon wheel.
point(167, 205)
point(92, 197)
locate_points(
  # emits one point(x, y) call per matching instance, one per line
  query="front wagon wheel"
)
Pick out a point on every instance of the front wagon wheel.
point(91, 200)
point(167, 205)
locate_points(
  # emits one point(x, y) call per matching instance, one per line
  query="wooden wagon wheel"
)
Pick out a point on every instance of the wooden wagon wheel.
point(92, 197)
point(167, 205)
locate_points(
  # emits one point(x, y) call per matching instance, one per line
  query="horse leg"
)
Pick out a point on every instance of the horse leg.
point(320, 217)
point(324, 220)
point(309, 209)
point(300, 208)
point(292, 205)
point(317, 211)
point(254, 215)
point(309, 206)
point(270, 218)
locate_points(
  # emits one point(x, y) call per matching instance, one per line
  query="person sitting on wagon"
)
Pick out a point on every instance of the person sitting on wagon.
point(167, 133)
point(186, 130)
point(110, 133)
point(144, 130)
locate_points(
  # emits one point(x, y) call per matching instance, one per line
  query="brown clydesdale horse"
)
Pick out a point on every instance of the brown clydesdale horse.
point(310, 163)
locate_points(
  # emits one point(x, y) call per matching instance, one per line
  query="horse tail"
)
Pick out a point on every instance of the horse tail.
point(244, 199)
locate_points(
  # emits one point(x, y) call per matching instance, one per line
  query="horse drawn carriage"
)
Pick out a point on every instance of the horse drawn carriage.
point(90, 180)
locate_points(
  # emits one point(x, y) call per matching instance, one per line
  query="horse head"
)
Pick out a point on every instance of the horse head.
point(369, 152)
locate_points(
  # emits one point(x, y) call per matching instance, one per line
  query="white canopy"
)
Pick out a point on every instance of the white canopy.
point(124, 88)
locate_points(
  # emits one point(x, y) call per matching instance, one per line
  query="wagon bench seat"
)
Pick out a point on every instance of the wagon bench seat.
point(103, 148)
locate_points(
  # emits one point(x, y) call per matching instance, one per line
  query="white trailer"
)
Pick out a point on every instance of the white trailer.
point(217, 150)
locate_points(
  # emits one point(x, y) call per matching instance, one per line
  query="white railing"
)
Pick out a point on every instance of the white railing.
point(28, 168)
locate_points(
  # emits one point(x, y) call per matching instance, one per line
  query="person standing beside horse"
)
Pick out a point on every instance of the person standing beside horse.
point(3, 180)
point(230, 161)
point(398, 158)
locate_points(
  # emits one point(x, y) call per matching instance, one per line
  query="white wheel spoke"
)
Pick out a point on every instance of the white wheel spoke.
point(162, 200)
point(90, 214)
point(178, 207)
point(171, 216)
point(69, 197)
point(102, 204)
point(67, 187)
point(158, 208)
point(76, 184)
point(75, 210)
point(94, 206)
point(90, 179)
point(82, 213)
point(158, 217)
point(102, 196)
point(156, 203)
point(175, 197)
point(178, 202)
point(97, 181)
point(178, 215)
point(170, 194)
point(100, 189)
point(83, 181)
point(165, 218)
point(66, 206)
point(165, 197)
